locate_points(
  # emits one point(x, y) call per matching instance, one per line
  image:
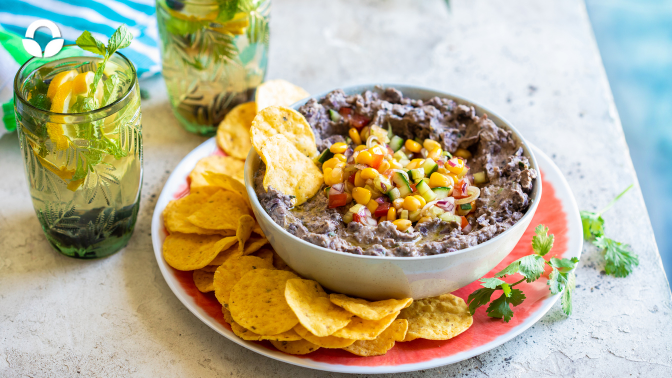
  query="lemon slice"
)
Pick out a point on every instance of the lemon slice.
point(58, 80)
point(62, 99)
point(82, 82)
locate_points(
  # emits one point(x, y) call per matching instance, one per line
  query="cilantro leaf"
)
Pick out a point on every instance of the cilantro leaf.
point(479, 298)
point(501, 307)
point(619, 257)
point(509, 270)
point(87, 42)
point(593, 224)
point(563, 265)
point(506, 288)
point(531, 267)
point(491, 283)
point(120, 39)
point(517, 297)
point(542, 242)
point(566, 300)
point(556, 281)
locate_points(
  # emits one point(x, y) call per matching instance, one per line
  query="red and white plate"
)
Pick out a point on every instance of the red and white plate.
point(557, 210)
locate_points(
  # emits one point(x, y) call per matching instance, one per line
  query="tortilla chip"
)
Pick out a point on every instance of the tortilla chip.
point(314, 309)
point(253, 245)
point(216, 164)
point(288, 122)
point(280, 264)
point(177, 211)
point(233, 134)
point(210, 268)
point(295, 347)
point(221, 212)
point(278, 93)
point(244, 230)
point(265, 254)
point(229, 183)
point(257, 301)
point(289, 171)
point(257, 230)
point(437, 318)
point(246, 334)
point(362, 329)
point(226, 254)
point(332, 342)
point(191, 251)
point(232, 271)
point(227, 315)
point(381, 344)
point(370, 310)
point(203, 280)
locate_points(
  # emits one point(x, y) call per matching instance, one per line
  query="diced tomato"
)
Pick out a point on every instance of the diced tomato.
point(345, 111)
point(376, 160)
point(389, 151)
point(413, 188)
point(465, 222)
point(358, 121)
point(352, 178)
point(460, 190)
point(388, 173)
point(358, 218)
point(382, 210)
point(337, 200)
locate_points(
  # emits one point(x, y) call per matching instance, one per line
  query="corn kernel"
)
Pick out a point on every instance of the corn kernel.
point(424, 219)
point(333, 176)
point(398, 203)
point(361, 195)
point(435, 154)
point(326, 172)
point(456, 167)
point(340, 157)
point(333, 163)
point(338, 148)
point(354, 135)
point(412, 145)
point(411, 203)
point(402, 224)
point(391, 214)
point(430, 144)
point(415, 163)
point(372, 206)
point(453, 177)
point(364, 134)
point(422, 200)
point(364, 157)
point(360, 147)
point(377, 150)
point(395, 165)
point(384, 166)
point(369, 174)
point(461, 152)
point(436, 180)
point(359, 181)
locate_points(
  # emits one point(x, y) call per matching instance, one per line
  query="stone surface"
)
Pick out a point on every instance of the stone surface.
point(535, 62)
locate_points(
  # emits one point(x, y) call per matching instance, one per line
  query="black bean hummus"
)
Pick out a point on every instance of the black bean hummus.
point(504, 197)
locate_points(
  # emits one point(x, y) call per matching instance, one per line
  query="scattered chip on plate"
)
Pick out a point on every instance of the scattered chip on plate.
point(295, 347)
point(332, 342)
point(276, 120)
point(370, 310)
point(253, 244)
point(257, 302)
point(278, 93)
point(362, 329)
point(221, 212)
point(314, 309)
point(244, 230)
point(203, 280)
point(176, 213)
point(381, 344)
point(246, 334)
point(192, 251)
point(289, 171)
point(437, 318)
point(231, 271)
point(228, 183)
point(216, 164)
point(233, 134)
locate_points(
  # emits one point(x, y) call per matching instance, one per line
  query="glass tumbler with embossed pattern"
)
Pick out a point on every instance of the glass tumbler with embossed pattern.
point(84, 170)
point(214, 55)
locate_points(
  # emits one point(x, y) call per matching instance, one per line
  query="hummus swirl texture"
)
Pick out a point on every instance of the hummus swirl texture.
point(504, 199)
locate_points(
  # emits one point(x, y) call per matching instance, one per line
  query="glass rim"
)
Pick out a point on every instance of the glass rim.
point(19, 95)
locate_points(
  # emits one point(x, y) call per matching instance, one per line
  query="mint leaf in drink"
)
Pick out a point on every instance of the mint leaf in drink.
point(87, 42)
point(619, 257)
point(542, 242)
point(227, 10)
point(120, 39)
point(110, 89)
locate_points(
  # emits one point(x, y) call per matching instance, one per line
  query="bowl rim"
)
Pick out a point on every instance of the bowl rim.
point(535, 196)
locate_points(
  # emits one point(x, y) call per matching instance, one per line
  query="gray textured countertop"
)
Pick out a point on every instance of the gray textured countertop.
point(535, 63)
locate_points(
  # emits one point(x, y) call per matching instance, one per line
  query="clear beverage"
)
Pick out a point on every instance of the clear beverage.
point(84, 169)
point(214, 56)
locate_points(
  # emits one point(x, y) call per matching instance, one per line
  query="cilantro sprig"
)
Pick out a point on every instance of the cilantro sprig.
point(531, 268)
point(619, 258)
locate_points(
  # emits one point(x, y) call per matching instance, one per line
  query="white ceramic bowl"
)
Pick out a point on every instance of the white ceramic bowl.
point(376, 277)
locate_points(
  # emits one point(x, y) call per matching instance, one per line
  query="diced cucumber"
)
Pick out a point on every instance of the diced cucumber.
point(416, 174)
point(448, 154)
point(401, 182)
point(390, 134)
point(382, 184)
point(437, 211)
point(430, 166)
point(403, 214)
point(399, 155)
point(414, 216)
point(325, 155)
point(479, 178)
point(425, 191)
point(448, 217)
point(393, 194)
point(442, 192)
point(396, 143)
point(404, 163)
point(334, 115)
point(465, 206)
